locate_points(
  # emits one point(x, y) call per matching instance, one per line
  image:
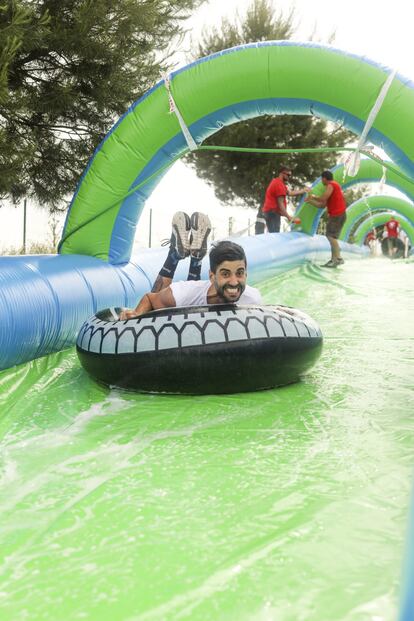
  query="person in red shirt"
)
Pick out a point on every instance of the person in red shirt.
point(392, 227)
point(275, 204)
point(334, 201)
point(371, 240)
point(392, 231)
point(371, 236)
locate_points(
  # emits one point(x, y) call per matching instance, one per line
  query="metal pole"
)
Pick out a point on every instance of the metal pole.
point(248, 227)
point(24, 226)
point(230, 225)
point(150, 229)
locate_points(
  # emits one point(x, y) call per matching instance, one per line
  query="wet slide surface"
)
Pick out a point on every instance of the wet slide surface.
point(283, 505)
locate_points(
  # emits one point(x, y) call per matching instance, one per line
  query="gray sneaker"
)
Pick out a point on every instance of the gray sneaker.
point(200, 230)
point(330, 263)
point(181, 226)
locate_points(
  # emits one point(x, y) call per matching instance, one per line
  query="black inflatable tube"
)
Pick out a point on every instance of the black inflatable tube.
point(393, 245)
point(200, 350)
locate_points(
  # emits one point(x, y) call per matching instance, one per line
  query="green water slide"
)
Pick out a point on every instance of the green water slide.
point(265, 78)
point(287, 504)
point(379, 219)
point(370, 171)
point(284, 505)
point(365, 209)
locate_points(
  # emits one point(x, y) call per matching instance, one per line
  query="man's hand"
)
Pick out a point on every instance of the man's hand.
point(312, 197)
point(128, 313)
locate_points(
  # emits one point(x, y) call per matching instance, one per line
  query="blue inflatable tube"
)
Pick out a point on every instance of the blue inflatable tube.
point(44, 300)
point(407, 601)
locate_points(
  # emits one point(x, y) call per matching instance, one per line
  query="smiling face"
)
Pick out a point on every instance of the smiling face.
point(229, 280)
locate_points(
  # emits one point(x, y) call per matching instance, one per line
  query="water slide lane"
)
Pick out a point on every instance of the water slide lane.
point(117, 506)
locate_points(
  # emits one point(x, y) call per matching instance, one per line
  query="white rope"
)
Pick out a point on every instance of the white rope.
point(353, 161)
point(370, 214)
point(383, 180)
point(192, 145)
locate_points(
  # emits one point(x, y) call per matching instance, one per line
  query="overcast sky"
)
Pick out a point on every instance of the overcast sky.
point(382, 32)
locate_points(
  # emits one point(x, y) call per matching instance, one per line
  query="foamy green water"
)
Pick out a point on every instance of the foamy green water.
point(284, 505)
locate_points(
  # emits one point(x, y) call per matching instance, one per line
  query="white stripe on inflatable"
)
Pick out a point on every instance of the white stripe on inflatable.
point(192, 145)
point(353, 161)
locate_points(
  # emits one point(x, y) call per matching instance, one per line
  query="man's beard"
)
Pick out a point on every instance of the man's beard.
point(221, 292)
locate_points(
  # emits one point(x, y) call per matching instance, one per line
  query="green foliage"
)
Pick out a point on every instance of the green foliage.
point(242, 178)
point(68, 70)
point(261, 23)
point(16, 20)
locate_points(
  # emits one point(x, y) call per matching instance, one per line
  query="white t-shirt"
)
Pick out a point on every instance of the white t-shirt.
point(194, 293)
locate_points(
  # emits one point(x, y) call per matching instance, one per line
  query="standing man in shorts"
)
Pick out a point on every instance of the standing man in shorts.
point(334, 201)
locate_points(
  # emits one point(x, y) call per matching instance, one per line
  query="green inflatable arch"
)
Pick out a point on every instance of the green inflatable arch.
point(381, 218)
point(370, 171)
point(275, 77)
point(365, 208)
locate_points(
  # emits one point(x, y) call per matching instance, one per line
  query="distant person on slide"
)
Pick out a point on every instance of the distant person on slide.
point(227, 277)
point(275, 203)
point(392, 231)
point(371, 240)
point(334, 201)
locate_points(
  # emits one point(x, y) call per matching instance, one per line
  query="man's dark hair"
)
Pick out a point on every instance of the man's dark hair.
point(225, 251)
point(283, 168)
point(327, 175)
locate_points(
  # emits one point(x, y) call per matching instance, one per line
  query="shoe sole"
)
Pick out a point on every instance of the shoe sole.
point(181, 226)
point(200, 230)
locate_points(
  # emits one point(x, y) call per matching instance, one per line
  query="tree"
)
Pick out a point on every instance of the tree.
point(68, 69)
point(242, 178)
